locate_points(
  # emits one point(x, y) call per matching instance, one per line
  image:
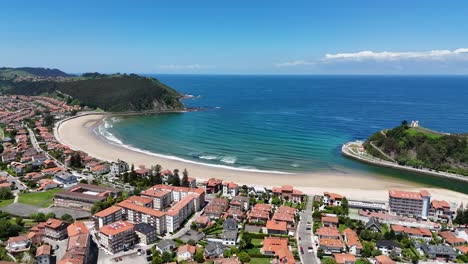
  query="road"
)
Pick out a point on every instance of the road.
point(304, 232)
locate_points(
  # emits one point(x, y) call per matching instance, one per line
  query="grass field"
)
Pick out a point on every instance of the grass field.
point(2, 135)
point(4, 203)
point(260, 261)
point(422, 131)
point(257, 242)
point(40, 199)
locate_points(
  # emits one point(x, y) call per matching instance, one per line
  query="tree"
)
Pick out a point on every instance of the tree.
point(5, 194)
point(166, 256)
point(191, 242)
point(185, 181)
point(244, 257)
point(227, 253)
point(67, 218)
point(48, 120)
point(376, 252)
point(199, 257)
point(362, 261)
point(38, 217)
point(344, 205)
point(19, 221)
point(328, 261)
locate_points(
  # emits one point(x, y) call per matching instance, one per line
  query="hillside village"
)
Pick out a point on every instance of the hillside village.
point(64, 206)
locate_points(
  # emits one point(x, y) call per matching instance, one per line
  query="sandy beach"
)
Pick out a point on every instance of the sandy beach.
point(77, 133)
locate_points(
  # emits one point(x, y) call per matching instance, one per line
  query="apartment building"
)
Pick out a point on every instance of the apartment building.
point(107, 216)
point(117, 236)
point(413, 204)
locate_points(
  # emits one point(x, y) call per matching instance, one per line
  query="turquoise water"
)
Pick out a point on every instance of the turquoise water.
point(294, 123)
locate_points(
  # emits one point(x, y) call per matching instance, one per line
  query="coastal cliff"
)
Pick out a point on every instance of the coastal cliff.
point(114, 93)
point(418, 147)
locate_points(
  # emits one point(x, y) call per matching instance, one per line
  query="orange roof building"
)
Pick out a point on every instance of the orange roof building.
point(117, 236)
point(344, 258)
point(277, 227)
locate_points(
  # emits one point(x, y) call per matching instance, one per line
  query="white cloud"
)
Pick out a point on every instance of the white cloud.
point(393, 56)
point(294, 63)
point(181, 67)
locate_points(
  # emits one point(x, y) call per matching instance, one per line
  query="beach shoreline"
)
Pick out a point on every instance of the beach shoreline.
point(78, 133)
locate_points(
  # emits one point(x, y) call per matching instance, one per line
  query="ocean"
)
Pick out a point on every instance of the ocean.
point(294, 123)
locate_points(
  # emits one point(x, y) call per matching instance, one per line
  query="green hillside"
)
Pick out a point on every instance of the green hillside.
point(421, 148)
point(115, 93)
point(11, 73)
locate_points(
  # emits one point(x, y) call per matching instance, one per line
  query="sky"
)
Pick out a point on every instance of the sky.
point(237, 37)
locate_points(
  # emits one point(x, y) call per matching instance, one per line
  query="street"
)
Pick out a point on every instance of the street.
point(304, 235)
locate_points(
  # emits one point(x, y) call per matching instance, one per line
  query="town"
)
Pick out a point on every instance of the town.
point(63, 206)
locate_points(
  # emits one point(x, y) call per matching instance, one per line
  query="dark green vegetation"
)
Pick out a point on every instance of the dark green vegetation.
point(462, 216)
point(421, 148)
point(115, 93)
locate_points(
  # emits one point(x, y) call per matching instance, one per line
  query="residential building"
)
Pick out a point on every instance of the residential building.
point(136, 213)
point(388, 246)
point(331, 245)
point(440, 211)
point(277, 246)
point(276, 227)
point(214, 250)
point(116, 168)
point(230, 189)
point(186, 252)
point(344, 258)
point(43, 254)
point(382, 259)
point(289, 193)
point(117, 236)
point(352, 242)
point(55, 229)
point(328, 232)
point(107, 216)
point(330, 221)
point(413, 232)
point(146, 233)
point(412, 204)
point(374, 225)
point(18, 244)
point(332, 199)
point(439, 251)
point(213, 185)
point(451, 239)
point(161, 198)
point(66, 178)
point(166, 245)
point(240, 203)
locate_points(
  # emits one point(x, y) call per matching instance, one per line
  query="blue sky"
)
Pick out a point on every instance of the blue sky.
point(251, 37)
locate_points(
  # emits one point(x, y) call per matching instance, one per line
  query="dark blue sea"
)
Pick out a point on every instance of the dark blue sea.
point(292, 123)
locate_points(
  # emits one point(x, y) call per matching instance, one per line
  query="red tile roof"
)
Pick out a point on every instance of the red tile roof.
point(276, 225)
point(108, 211)
point(116, 228)
point(344, 258)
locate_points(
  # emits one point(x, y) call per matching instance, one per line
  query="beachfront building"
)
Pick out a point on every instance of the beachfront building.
point(441, 211)
point(412, 204)
point(287, 192)
point(332, 199)
point(161, 198)
point(135, 213)
point(116, 168)
point(117, 236)
point(213, 185)
point(230, 189)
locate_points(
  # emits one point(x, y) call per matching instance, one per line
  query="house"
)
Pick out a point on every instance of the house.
point(331, 245)
point(37, 232)
point(146, 233)
point(440, 211)
point(276, 227)
point(166, 245)
point(287, 192)
point(186, 252)
point(117, 236)
point(388, 246)
point(116, 168)
point(143, 172)
point(328, 232)
point(214, 250)
point(46, 184)
point(66, 178)
point(451, 239)
point(462, 249)
point(213, 185)
point(413, 232)
point(439, 251)
point(373, 225)
point(277, 246)
point(230, 189)
point(352, 242)
point(332, 199)
point(55, 229)
point(202, 221)
point(49, 164)
point(231, 260)
point(230, 229)
point(330, 221)
point(240, 203)
point(344, 258)
point(18, 244)
point(100, 169)
point(382, 259)
point(43, 254)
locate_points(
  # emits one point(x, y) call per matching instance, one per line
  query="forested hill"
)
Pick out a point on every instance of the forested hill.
point(421, 148)
point(11, 73)
point(115, 93)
